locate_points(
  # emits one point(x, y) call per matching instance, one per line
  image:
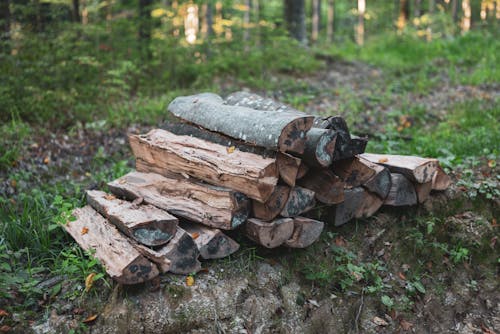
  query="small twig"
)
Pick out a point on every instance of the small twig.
point(360, 309)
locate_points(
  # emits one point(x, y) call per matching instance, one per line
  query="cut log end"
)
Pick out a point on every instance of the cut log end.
point(402, 192)
point(269, 234)
point(293, 135)
point(305, 232)
point(273, 206)
point(183, 253)
point(299, 201)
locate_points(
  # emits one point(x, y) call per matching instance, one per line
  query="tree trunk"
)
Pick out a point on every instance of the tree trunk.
point(273, 206)
point(144, 223)
point(467, 17)
point(299, 201)
point(360, 29)
point(404, 14)
point(315, 20)
point(118, 256)
point(295, 18)
point(211, 242)
point(256, 10)
point(246, 24)
point(269, 234)
point(305, 232)
point(195, 201)
point(454, 10)
point(5, 26)
point(76, 11)
point(182, 253)
point(145, 26)
point(281, 131)
point(330, 20)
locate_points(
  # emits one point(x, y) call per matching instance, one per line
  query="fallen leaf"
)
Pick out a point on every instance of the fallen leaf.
point(46, 160)
point(492, 163)
point(190, 281)
point(340, 242)
point(195, 235)
point(121, 181)
point(90, 318)
point(230, 149)
point(89, 281)
point(109, 197)
point(3, 313)
point(402, 276)
point(13, 183)
point(85, 230)
point(379, 321)
point(382, 160)
point(5, 328)
point(405, 325)
point(313, 302)
point(357, 276)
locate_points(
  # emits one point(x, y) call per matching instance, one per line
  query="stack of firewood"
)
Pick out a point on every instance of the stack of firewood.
point(247, 163)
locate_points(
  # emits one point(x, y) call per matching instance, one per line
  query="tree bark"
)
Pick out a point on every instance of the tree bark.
point(330, 20)
point(404, 14)
point(315, 20)
point(269, 234)
point(5, 18)
point(145, 26)
point(295, 18)
point(76, 11)
point(144, 223)
point(248, 173)
point(360, 29)
point(305, 232)
point(195, 201)
point(417, 169)
point(299, 201)
point(327, 186)
point(320, 147)
point(211, 242)
point(272, 207)
point(121, 260)
point(273, 130)
point(402, 192)
point(182, 253)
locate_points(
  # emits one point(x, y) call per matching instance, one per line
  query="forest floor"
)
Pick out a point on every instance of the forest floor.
point(431, 269)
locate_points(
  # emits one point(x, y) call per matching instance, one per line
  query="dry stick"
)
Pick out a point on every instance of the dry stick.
point(211, 242)
point(287, 164)
point(273, 206)
point(269, 234)
point(281, 131)
point(417, 169)
point(144, 223)
point(248, 173)
point(402, 191)
point(305, 232)
point(182, 252)
point(328, 187)
point(299, 201)
point(196, 201)
point(353, 171)
point(121, 260)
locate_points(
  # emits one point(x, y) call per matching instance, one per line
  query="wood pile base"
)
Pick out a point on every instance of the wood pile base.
point(258, 166)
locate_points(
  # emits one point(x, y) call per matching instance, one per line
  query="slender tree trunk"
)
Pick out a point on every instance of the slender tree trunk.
point(417, 8)
point(466, 20)
point(256, 10)
point(404, 13)
point(315, 20)
point(295, 17)
point(360, 29)
point(76, 11)
point(246, 24)
point(4, 25)
point(144, 27)
point(454, 10)
point(330, 20)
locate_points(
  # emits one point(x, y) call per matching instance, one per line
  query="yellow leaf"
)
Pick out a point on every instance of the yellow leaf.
point(85, 230)
point(89, 281)
point(382, 160)
point(3, 313)
point(190, 281)
point(90, 318)
point(109, 197)
point(46, 160)
point(230, 149)
point(195, 235)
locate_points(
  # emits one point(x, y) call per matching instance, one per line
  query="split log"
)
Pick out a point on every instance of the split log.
point(211, 242)
point(121, 260)
point(423, 191)
point(146, 224)
point(269, 234)
point(417, 169)
point(303, 169)
point(160, 260)
point(286, 164)
point(402, 191)
point(347, 146)
point(327, 186)
point(380, 183)
point(305, 232)
point(195, 201)
point(370, 204)
point(320, 147)
point(182, 253)
point(353, 171)
point(299, 201)
point(281, 131)
point(248, 173)
point(273, 206)
point(347, 210)
point(440, 180)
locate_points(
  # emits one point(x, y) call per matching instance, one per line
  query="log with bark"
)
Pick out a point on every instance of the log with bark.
point(161, 261)
point(305, 232)
point(273, 206)
point(299, 201)
point(254, 101)
point(380, 183)
point(211, 242)
point(402, 191)
point(121, 260)
point(286, 164)
point(347, 146)
point(281, 131)
point(146, 224)
point(417, 169)
point(184, 197)
point(353, 171)
point(269, 234)
point(328, 187)
point(249, 173)
point(182, 253)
